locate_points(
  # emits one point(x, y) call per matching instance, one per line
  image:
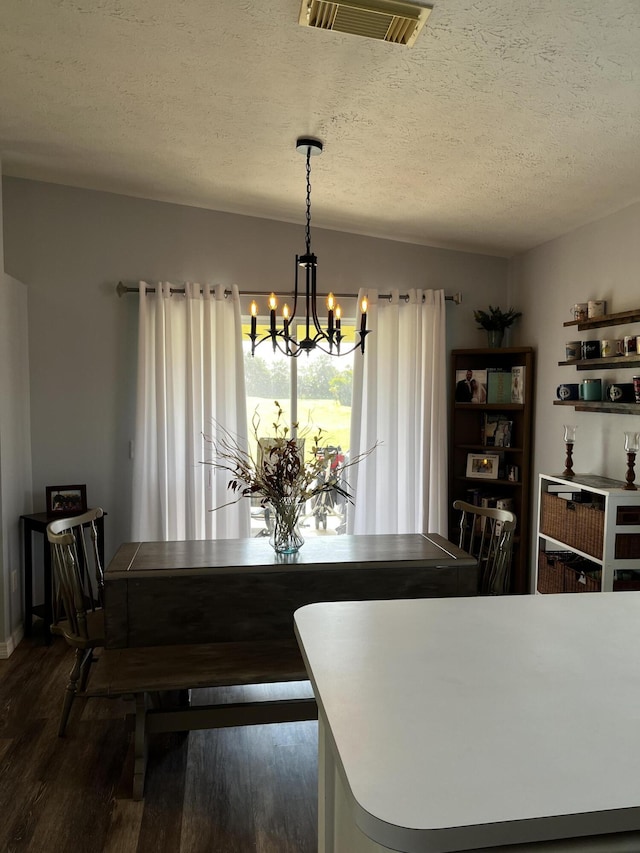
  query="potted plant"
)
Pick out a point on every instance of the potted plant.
point(495, 322)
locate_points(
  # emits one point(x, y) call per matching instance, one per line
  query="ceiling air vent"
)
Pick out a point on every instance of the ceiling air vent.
point(385, 20)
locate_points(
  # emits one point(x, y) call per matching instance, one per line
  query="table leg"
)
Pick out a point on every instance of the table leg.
point(326, 790)
point(140, 746)
point(28, 579)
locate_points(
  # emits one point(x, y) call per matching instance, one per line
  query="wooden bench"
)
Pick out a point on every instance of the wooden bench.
point(146, 673)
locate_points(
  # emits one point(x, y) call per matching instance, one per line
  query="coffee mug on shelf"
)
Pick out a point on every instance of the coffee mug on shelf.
point(636, 388)
point(580, 311)
point(573, 350)
point(606, 349)
point(596, 308)
point(620, 392)
point(619, 346)
point(591, 349)
point(590, 389)
point(568, 391)
point(630, 345)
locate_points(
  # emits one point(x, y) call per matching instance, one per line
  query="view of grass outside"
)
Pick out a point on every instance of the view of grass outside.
point(323, 387)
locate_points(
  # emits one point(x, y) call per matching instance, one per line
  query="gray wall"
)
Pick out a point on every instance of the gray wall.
point(598, 261)
point(72, 246)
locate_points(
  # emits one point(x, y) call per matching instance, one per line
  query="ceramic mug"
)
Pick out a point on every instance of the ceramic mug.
point(580, 311)
point(606, 349)
point(636, 388)
point(568, 391)
point(596, 308)
point(630, 345)
point(621, 392)
point(590, 349)
point(591, 389)
point(573, 350)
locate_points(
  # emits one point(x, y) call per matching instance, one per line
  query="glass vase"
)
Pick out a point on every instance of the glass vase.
point(285, 534)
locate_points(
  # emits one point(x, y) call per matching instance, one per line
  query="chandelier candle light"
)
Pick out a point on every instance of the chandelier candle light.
point(327, 340)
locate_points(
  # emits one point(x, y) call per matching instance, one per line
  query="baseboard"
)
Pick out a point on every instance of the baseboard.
point(8, 647)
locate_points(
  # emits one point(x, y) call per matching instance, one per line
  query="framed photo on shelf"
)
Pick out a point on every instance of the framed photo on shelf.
point(471, 386)
point(483, 466)
point(66, 500)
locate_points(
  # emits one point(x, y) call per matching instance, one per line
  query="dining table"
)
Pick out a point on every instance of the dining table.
point(495, 723)
point(211, 591)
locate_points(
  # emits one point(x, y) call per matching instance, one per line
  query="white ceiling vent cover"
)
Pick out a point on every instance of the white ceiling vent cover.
point(385, 20)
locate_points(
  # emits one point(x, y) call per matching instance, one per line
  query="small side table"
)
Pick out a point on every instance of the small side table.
point(37, 523)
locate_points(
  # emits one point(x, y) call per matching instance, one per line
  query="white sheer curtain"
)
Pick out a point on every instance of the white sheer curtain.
point(400, 399)
point(190, 377)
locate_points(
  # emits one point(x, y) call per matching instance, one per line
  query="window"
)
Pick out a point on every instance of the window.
point(313, 390)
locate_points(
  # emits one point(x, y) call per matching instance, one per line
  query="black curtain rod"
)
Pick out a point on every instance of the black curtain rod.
point(122, 288)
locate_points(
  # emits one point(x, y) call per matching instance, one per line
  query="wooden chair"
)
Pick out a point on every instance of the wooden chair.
point(487, 533)
point(78, 596)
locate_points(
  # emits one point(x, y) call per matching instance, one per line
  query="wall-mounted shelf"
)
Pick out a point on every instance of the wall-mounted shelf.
point(601, 406)
point(619, 319)
point(603, 363)
point(604, 406)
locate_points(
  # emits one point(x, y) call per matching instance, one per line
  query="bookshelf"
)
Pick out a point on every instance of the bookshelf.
point(509, 477)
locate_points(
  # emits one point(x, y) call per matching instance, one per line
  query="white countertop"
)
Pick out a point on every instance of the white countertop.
point(501, 720)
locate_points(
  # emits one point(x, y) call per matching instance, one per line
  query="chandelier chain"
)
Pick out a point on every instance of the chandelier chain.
point(308, 226)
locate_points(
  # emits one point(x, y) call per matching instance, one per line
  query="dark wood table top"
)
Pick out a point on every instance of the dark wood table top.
point(147, 559)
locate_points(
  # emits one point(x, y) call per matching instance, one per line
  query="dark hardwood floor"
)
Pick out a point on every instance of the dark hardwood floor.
point(220, 791)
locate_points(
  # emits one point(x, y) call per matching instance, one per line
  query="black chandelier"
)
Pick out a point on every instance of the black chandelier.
point(326, 340)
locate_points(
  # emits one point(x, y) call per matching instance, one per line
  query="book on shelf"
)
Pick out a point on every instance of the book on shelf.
point(497, 429)
point(498, 385)
point(517, 384)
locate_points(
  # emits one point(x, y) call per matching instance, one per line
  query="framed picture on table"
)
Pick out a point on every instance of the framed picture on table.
point(66, 500)
point(483, 466)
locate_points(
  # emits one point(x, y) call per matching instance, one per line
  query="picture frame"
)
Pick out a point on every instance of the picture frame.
point(483, 466)
point(66, 500)
point(471, 386)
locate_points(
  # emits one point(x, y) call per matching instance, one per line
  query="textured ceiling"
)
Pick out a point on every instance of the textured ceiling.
point(509, 123)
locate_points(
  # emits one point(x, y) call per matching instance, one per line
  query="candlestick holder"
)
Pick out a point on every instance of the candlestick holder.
point(631, 445)
point(569, 439)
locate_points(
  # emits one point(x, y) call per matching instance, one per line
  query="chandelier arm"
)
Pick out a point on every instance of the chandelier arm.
point(314, 295)
point(295, 289)
point(293, 349)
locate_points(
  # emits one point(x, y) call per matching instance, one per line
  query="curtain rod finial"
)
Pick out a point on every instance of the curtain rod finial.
point(121, 289)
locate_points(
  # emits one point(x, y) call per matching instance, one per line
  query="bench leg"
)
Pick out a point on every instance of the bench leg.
point(140, 746)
